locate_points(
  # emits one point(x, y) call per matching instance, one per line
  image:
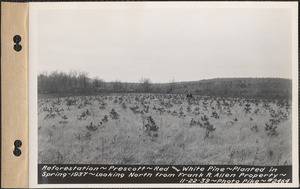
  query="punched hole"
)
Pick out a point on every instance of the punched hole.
point(17, 39)
point(17, 152)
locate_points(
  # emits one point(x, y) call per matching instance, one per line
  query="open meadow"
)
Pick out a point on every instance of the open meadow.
point(166, 129)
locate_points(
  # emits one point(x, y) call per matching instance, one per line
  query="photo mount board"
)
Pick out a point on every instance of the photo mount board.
point(28, 93)
point(14, 95)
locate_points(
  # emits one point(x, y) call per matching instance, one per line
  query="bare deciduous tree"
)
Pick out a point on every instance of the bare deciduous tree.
point(171, 86)
point(145, 85)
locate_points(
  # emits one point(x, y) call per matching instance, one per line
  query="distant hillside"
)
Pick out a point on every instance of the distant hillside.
point(268, 88)
point(239, 87)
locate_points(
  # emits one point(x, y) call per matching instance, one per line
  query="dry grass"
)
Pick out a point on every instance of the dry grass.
point(125, 140)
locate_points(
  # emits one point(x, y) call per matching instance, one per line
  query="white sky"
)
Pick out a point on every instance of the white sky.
point(165, 44)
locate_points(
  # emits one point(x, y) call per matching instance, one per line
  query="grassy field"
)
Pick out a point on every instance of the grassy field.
point(163, 129)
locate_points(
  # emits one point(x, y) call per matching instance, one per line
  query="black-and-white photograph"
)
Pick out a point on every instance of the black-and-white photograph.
point(170, 85)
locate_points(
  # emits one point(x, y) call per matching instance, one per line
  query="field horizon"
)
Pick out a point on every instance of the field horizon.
point(80, 84)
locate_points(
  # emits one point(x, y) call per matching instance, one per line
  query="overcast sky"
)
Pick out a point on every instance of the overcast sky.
point(166, 44)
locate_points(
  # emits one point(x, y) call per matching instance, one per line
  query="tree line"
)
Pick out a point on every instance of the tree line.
point(80, 83)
